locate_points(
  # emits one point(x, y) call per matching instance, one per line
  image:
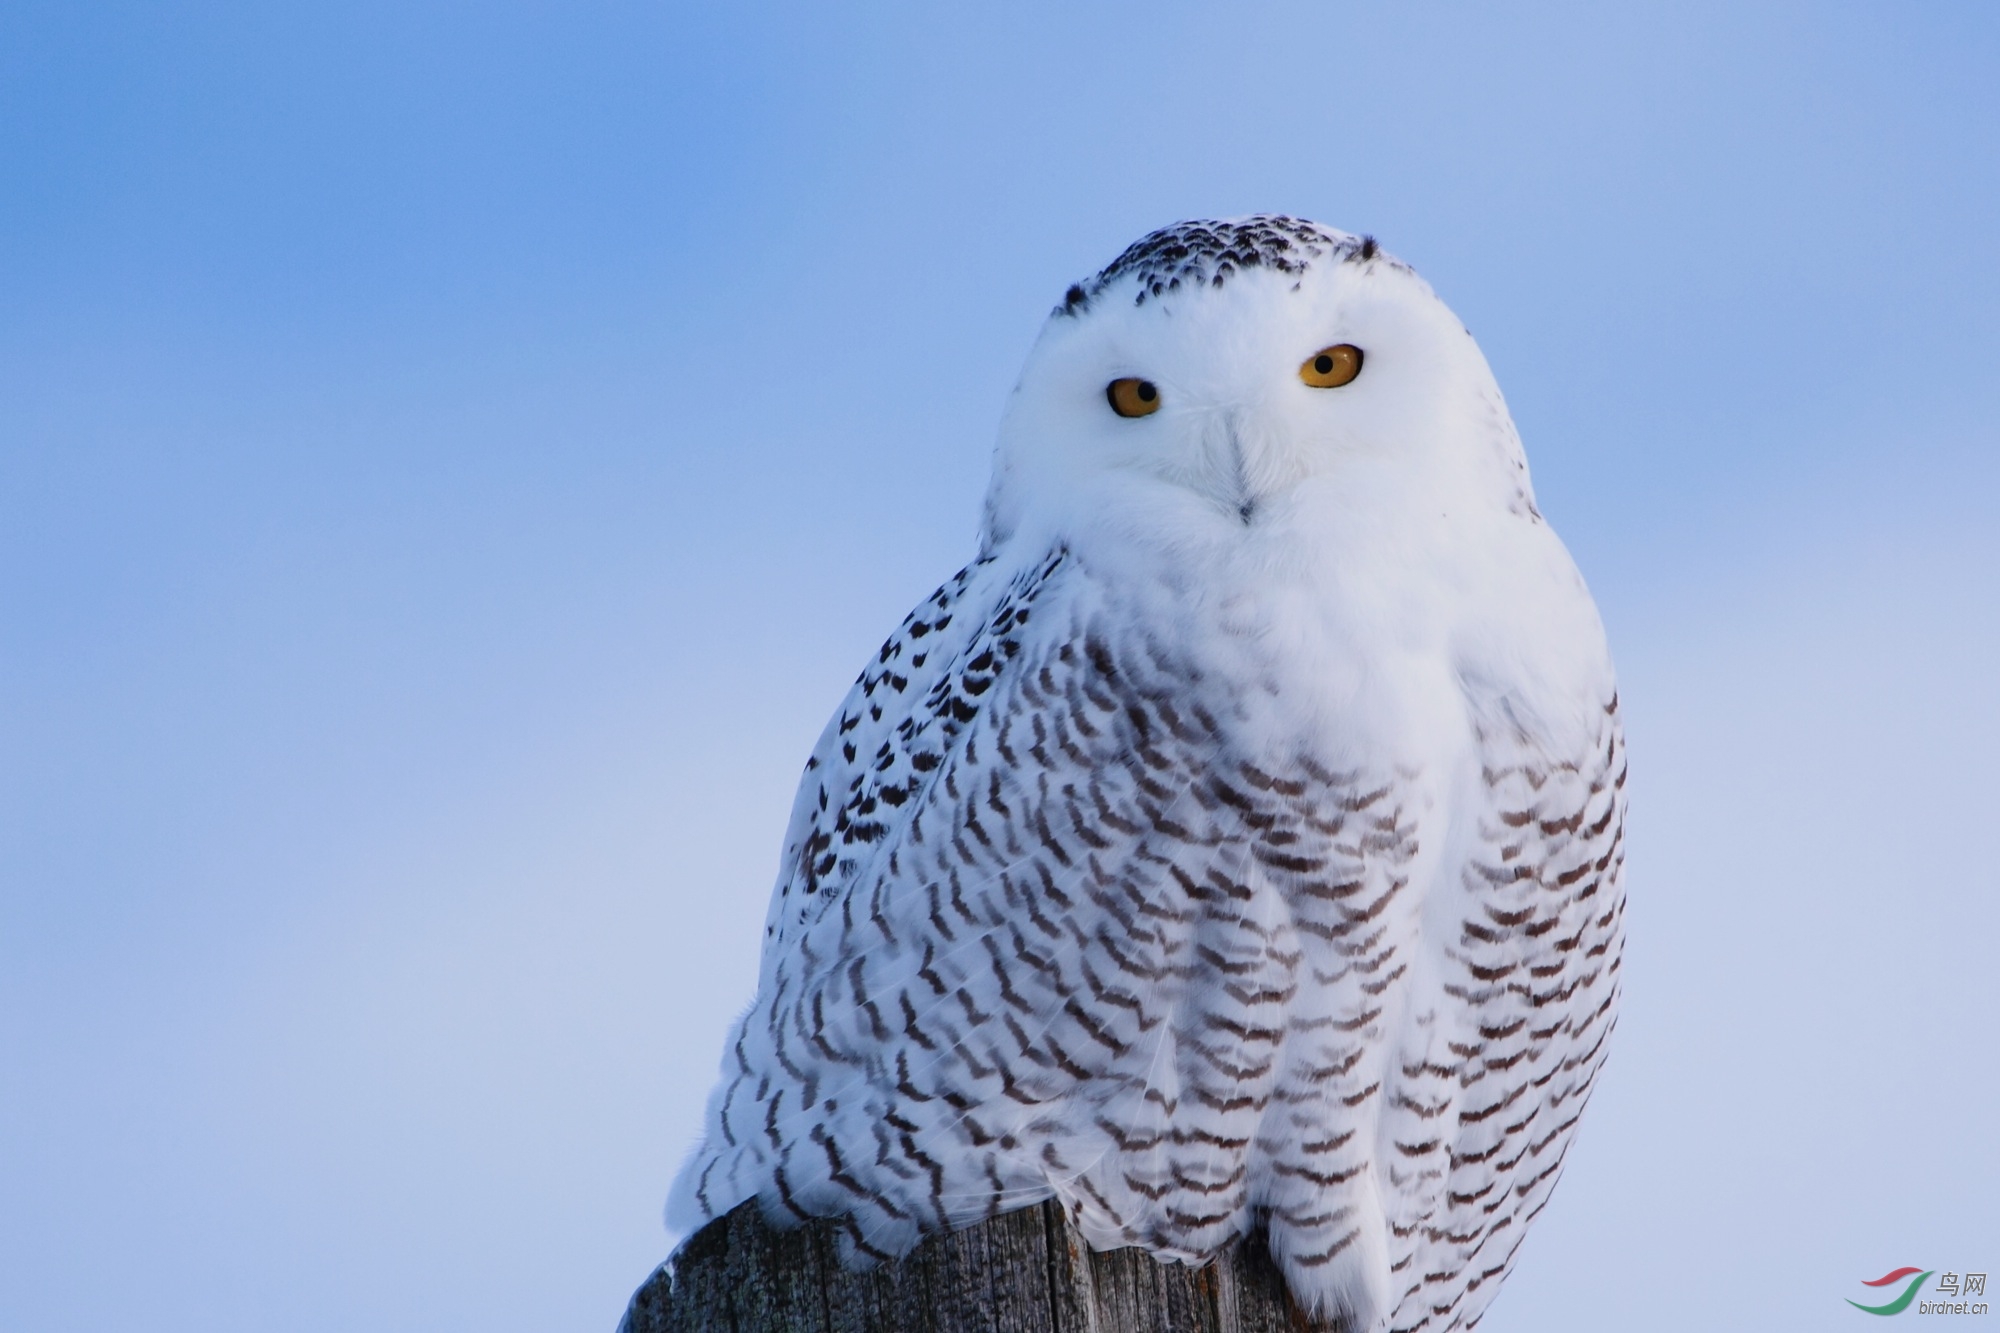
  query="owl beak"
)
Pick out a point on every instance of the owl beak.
point(1224, 475)
point(1252, 468)
point(1241, 497)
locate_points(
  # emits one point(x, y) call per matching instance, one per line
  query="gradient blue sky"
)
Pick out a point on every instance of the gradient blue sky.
point(453, 457)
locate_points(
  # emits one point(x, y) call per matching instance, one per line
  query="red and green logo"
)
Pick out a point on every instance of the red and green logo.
point(1902, 1302)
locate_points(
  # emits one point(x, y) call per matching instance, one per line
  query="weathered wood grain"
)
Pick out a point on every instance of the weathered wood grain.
point(1023, 1272)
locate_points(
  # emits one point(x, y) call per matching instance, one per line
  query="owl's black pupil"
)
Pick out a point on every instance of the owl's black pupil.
point(1323, 364)
point(1147, 393)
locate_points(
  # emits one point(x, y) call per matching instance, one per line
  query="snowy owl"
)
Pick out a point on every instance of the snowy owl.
point(1236, 842)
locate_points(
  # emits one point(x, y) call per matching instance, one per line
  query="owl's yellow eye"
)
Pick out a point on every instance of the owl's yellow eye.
point(1133, 398)
point(1331, 367)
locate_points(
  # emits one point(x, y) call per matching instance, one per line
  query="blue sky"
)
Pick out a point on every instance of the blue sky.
point(453, 457)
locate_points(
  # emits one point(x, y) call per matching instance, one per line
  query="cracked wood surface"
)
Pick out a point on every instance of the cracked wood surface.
point(1022, 1272)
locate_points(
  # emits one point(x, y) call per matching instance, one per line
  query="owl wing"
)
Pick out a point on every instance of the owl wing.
point(1481, 1116)
point(889, 738)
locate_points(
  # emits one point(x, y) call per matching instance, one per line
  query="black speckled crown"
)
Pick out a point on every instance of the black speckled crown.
point(1207, 253)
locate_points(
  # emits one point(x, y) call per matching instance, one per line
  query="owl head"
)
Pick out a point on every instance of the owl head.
point(1249, 381)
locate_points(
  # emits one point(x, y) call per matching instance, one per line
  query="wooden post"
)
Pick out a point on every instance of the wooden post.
point(1022, 1272)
